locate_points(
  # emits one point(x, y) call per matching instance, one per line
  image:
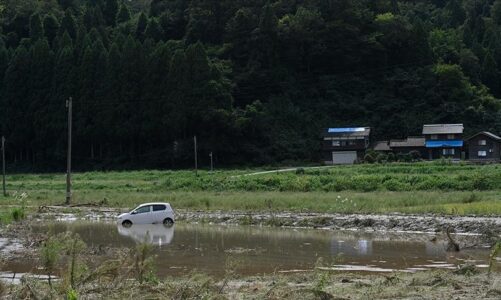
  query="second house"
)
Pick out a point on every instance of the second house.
point(443, 140)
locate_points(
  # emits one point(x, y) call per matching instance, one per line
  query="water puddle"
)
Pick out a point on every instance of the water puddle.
point(262, 250)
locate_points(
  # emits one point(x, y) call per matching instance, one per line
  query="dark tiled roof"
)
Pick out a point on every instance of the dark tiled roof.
point(382, 146)
point(486, 133)
point(443, 129)
point(412, 141)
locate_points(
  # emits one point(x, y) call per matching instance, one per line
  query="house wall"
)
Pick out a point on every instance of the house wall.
point(437, 153)
point(491, 144)
point(327, 155)
point(358, 145)
point(444, 137)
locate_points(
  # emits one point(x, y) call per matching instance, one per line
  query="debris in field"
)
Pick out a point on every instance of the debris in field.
point(452, 245)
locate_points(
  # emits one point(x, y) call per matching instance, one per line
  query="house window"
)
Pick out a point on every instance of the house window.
point(450, 136)
point(448, 151)
point(336, 143)
point(434, 137)
point(482, 142)
point(482, 153)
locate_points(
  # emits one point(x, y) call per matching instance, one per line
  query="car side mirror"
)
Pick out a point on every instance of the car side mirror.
point(133, 213)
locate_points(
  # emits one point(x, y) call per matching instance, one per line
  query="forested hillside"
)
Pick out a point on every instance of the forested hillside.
point(255, 80)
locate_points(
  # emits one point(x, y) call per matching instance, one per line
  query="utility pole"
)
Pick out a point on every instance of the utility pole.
point(211, 163)
point(69, 105)
point(3, 166)
point(196, 154)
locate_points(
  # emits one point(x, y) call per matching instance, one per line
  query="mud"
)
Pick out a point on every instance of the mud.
point(487, 226)
point(392, 222)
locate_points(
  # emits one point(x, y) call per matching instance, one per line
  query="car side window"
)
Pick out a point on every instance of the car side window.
point(143, 210)
point(158, 207)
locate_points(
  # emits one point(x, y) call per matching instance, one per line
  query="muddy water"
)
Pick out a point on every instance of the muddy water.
point(254, 250)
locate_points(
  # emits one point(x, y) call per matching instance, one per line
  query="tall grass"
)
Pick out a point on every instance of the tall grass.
point(360, 178)
point(409, 188)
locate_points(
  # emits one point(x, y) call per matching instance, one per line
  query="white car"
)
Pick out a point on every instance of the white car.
point(148, 213)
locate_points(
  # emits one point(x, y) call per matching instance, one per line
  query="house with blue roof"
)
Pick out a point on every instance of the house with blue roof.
point(345, 145)
point(444, 140)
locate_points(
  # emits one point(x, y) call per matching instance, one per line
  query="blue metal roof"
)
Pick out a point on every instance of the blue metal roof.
point(440, 144)
point(343, 130)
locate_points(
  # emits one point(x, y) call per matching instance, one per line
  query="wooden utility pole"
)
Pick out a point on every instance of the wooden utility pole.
point(69, 105)
point(196, 154)
point(211, 163)
point(3, 166)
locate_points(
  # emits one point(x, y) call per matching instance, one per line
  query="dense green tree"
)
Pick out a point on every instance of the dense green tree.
point(300, 36)
point(65, 4)
point(457, 13)
point(123, 14)
point(238, 29)
point(36, 27)
point(68, 24)
point(110, 12)
point(255, 80)
point(153, 30)
point(51, 27)
point(40, 85)
point(16, 92)
point(266, 35)
point(490, 73)
point(470, 64)
point(4, 63)
point(142, 23)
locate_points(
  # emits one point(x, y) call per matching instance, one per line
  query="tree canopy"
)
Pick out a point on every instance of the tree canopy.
point(254, 80)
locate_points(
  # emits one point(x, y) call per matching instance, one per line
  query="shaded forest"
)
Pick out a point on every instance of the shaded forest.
point(254, 80)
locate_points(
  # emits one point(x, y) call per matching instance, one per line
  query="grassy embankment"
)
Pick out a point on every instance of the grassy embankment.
point(407, 188)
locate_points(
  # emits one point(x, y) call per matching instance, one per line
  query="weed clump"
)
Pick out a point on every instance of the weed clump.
point(143, 262)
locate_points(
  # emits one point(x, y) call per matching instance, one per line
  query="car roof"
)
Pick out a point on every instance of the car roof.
point(154, 203)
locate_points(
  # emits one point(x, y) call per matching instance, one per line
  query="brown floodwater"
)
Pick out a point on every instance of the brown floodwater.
point(212, 249)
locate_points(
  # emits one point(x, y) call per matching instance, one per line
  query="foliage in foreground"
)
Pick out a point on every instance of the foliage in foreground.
point(109, 282)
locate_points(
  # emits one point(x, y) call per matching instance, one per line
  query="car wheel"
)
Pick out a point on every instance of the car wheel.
point(168, 222)
point(126, 223)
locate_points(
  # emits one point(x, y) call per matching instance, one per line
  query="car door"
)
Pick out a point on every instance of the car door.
point(142, 215)
point(159, 213)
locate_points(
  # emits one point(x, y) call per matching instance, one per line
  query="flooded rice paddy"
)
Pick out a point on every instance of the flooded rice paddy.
point(184, 248)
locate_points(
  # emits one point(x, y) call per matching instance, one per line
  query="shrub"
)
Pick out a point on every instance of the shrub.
point(415, 155)
point(471, 198)
point(18, 214)
point(72, 295)
point(381, 157)
point(299, 171)
point(394, 185)
point(391, 157)
point(370, 157)
point(481, 182)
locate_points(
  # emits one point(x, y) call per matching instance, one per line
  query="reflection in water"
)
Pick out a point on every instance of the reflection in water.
point(351, 247)
point(155, 234)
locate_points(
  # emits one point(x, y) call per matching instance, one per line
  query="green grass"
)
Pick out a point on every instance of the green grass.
point(408, 188)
